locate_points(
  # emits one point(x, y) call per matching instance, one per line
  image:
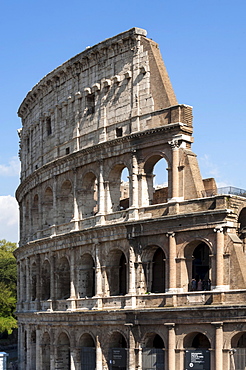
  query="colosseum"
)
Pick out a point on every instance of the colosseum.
point(115, 272)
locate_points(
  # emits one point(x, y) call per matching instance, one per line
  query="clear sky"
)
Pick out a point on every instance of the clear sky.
point(203, 44)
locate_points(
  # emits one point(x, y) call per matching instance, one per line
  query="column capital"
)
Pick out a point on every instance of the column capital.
point(170, 234)
point(220, 229)
point(217, 324)
point(170, 325)
point(174, 143)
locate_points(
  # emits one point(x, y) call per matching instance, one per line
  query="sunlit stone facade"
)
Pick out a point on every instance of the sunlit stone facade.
point(112, 270)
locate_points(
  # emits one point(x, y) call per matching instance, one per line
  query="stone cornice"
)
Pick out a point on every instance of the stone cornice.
point(91, 55)
point(73, 157)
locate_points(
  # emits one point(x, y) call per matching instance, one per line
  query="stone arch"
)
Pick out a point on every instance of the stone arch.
point(197, 255)
point(45, 280)
point(63, 278)
point(35, 213)
point(63, 352)
point(117, 272)
point(238, 355)
point(150, 193)
point(197, 340)
point(48, 212)
point(33, 281)
point(117, 192)
point(117, 340)
point(153, 352)
point(88, 351)
point(154, 269)
point(45, 351)
point(89, 195)
point(66, 205)
point(86, 276)
point(242, 226)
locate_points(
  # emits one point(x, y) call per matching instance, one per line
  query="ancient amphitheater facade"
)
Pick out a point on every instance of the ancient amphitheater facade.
point(114, 272)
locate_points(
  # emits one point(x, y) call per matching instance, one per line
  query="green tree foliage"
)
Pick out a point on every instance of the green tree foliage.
point(8, 279)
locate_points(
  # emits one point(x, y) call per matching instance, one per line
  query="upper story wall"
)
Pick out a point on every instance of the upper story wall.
point(115, 88)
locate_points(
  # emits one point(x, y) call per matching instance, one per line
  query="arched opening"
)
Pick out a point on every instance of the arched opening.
point(155, 181)
point(158, 272)
point(197, 347)
point(45, 352)
point(63, 279)
point(238, 355)
point(88, 352)
point(197, 255)
point(33, 281)
point(124, 189)
point(48, 207)
point(117, 273)
point(63, 352)
point(35, 214)
point(66, 202)
point(242, 227)
point(89, 198)
point(117, 352)
point(200, 267)
point(45, 280)
point(86, 284)
point(118, 195)
point(153, 355)
point(33, 350)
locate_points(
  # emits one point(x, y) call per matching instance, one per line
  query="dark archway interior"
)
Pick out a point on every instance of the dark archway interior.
point(158, 280)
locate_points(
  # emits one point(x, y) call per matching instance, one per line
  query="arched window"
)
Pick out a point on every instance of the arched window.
point(45, 352)
point(89, 195)
point(63, 279)
point(238, 356)
point(35, 213)
point(117, 271)
point(86, 284)
point(33, 281)
point(63, 352)
point(197, 345)
point(118, 351)
point(158, 272)
point(153, 353)
point(88, 352)
point(33, 350)
point(197, 256)
point(66, 206)
point(118, 195)
point(155, 181)
point(48, 207)
point(45, 280)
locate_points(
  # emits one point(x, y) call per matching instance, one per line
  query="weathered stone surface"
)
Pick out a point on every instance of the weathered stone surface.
point(104, 262)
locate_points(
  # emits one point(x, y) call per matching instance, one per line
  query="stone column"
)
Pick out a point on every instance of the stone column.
point(52, 280)
point(175, 171)
point(72, 279)
point(55, 210)
point(172, 286)
point(218, 361)
point(134, 182)
point(219, 258)
point(28, 348)
point(75, 203)
point(52, 349)
point(27, 280)
point(98, 355)
point(98, 272)
point(171, 346)
point(38, 282)
point(38, 348)
point(132, 287)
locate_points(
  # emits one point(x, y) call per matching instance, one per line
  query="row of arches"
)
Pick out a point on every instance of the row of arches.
point(114, 354)
point(151, 274)
point(90, 193)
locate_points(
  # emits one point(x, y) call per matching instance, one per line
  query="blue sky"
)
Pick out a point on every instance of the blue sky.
point(203, 44)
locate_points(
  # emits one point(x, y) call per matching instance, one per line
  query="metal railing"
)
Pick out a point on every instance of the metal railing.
point(231, 190)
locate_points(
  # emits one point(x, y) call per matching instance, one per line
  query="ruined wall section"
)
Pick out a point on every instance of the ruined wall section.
point(112, 89)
